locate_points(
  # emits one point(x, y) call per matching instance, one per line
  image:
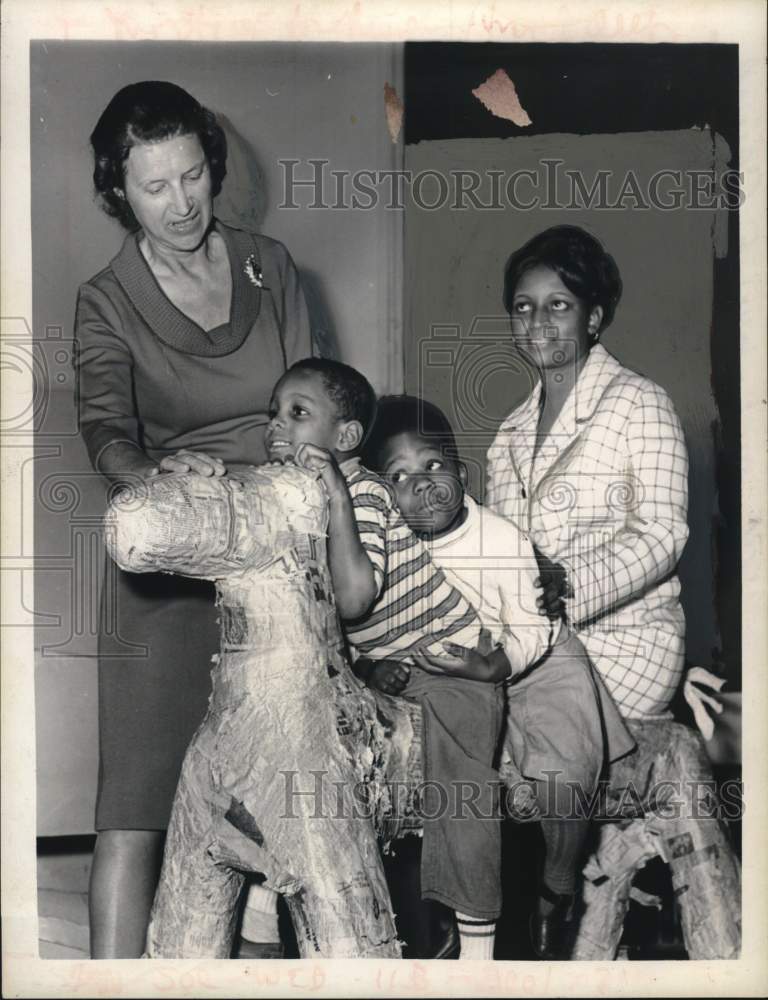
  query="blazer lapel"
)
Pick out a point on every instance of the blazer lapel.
point(598, 371)
point(521, 427)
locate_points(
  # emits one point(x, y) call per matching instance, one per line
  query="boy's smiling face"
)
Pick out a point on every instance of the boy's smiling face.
point(301, 412)
point(428, 486)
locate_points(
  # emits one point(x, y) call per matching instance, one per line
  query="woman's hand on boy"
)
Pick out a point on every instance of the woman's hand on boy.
point(553, 581)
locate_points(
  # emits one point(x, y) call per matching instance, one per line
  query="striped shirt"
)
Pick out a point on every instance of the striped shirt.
point(416, 607)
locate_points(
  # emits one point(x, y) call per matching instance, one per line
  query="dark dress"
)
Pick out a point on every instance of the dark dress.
point(148, 374)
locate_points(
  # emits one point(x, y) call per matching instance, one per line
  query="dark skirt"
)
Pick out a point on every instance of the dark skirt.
point(158, 634)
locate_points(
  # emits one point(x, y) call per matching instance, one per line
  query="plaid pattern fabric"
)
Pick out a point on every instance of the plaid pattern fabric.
point(606, 495)
point(416, 606)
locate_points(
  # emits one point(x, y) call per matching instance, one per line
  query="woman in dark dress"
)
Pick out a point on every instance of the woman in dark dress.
point(180, 340)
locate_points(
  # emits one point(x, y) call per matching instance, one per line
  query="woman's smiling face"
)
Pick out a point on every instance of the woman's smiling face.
point(168, 186)
point(551, 324)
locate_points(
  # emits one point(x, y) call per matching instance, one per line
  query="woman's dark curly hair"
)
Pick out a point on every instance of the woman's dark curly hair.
point(580, 261)
point(147, 112)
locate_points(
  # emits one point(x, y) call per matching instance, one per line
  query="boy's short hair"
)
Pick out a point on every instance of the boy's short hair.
point(408, 415)
point(351, 392)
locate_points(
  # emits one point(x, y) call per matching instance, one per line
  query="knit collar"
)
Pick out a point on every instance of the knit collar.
point(172, 326)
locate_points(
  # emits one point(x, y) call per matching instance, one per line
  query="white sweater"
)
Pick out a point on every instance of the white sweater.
point(492, 563)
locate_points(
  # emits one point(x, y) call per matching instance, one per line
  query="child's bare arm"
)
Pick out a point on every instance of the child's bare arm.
point(354, 582)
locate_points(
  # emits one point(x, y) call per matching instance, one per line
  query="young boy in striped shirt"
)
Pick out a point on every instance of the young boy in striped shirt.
point(397, 605)
point(562, 724)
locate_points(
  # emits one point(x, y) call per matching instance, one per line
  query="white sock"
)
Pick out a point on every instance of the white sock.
point(476, 936)
point(260, 915)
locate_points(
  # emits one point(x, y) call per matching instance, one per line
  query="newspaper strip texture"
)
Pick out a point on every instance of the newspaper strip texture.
point(678, 827)
point(274, 778)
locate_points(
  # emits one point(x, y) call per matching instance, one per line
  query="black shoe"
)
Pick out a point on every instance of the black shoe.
point(427, 928)
point(449, 943)
point(549, 934)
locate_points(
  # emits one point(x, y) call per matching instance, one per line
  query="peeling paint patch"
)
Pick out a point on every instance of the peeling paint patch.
point(498, 94)
point(394, 109)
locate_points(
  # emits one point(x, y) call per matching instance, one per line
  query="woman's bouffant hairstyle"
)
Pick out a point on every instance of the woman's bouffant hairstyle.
point(580, 261)
point(148, 112)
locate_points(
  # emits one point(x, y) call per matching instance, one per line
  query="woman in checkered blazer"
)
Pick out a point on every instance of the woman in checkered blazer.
point(593, 465)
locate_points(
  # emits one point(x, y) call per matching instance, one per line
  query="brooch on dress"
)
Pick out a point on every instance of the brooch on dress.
point(253, 271)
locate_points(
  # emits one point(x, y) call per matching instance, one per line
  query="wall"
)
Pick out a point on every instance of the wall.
point(282, 101)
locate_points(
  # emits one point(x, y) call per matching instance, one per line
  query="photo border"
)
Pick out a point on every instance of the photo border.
point(741, 22)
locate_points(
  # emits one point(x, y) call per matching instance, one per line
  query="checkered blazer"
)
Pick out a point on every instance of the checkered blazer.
point(607, 497)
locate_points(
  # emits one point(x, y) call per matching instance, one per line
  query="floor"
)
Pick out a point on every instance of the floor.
point(63, 871)
point(63, 868)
